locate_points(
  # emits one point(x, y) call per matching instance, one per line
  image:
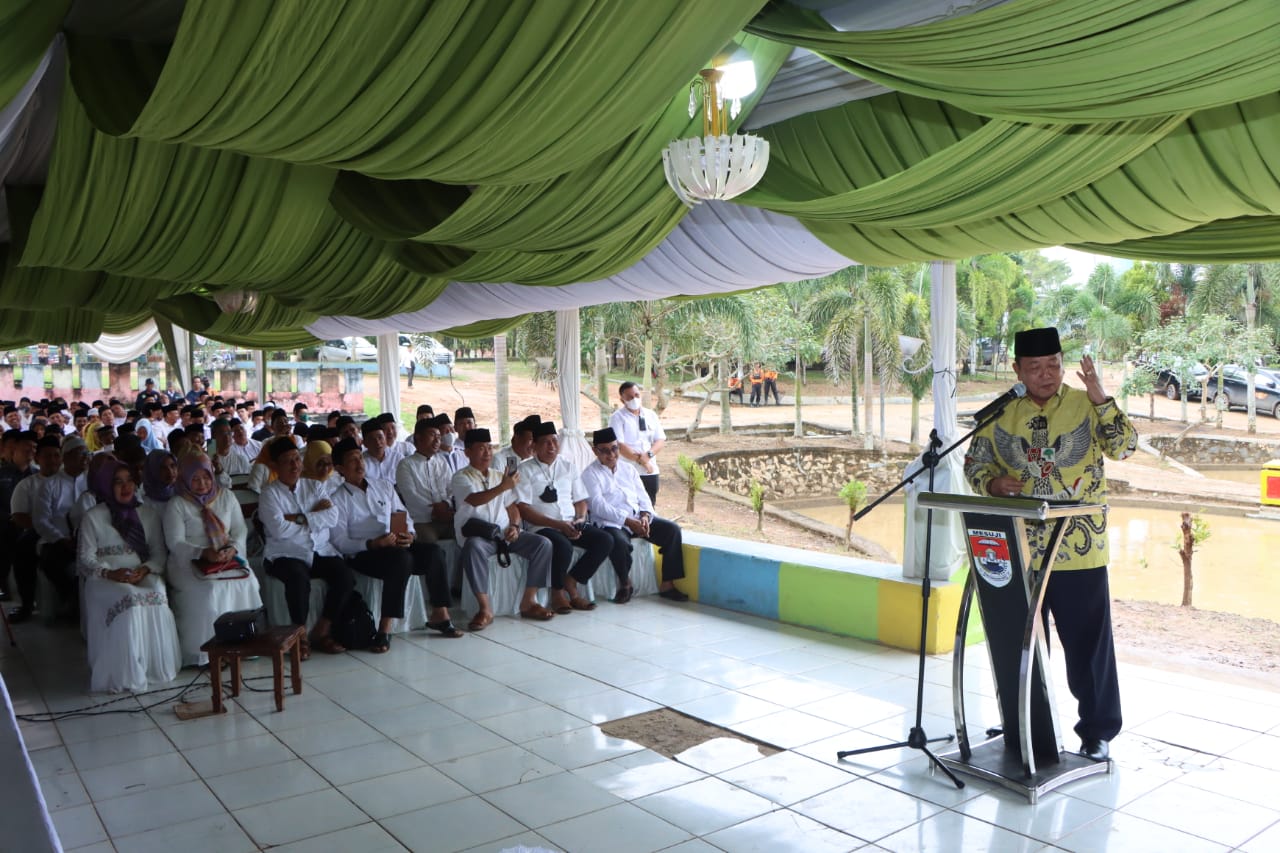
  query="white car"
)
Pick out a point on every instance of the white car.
point(427, 350)
point(348, 349)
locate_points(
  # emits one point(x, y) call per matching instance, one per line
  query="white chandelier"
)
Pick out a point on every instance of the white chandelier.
point(236, 301)
point(717, 165)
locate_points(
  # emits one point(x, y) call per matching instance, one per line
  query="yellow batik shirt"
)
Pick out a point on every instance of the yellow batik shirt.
point(1057, 451)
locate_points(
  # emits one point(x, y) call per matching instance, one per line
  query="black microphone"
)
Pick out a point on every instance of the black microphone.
point(998, 404)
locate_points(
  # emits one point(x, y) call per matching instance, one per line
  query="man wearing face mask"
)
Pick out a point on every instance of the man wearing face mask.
point(449, 442)
point(640, 437)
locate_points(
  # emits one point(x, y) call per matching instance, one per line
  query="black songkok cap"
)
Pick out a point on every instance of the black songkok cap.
point(544, 428)
point(477, 436)
point(386, 418)
point(50, 440)
point(371, 425)
point(604, 436)
point(441, 421)
point(342, 448)
point(464, 412)
point(529, 424)
point(279, 447)
point(1036, 342)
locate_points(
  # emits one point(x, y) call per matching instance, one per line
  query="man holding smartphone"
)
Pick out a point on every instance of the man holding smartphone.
point(364, 535)
point(553, 501)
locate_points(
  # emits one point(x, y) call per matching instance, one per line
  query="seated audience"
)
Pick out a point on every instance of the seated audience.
point(208, 574)
point(379, 462)
point(422, 480)
point(317, 464)
point(226, 459)
point(553, 502)
point(296, 516)
point(619, 503)
point(521, 447)
point(159, 477)
point(130, 630)
point(18, 479)
point(364, 536)
point(56, 493)
point(487, 495)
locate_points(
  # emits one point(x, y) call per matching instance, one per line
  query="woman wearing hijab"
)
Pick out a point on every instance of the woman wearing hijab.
point(317, 464)
point(159, 477)
point(204, 531)
point(131, 633)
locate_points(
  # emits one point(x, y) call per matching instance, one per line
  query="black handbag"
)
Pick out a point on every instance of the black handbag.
point(491, 532)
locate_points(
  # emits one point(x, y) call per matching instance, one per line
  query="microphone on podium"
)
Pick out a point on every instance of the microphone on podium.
point(998, 404)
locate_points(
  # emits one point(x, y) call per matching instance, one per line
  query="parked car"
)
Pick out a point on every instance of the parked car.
point(348, 349)
point(1235, 388)
point(427, 346)
point(1170, 384)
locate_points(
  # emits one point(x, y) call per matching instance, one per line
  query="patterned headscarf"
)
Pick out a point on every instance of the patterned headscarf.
point(316, 450)
point(153, 486)
point(192, 463)
point(124, 517)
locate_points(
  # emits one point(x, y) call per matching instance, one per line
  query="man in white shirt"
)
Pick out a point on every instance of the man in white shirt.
point(18, 479)
point(553, 502)
point(364, 536)
point(422, 480)
point(521, 447)
point(226, 459)
point(619, 503)
point(53, 497)
point(486, 495)
point(640, 437)
point(242, 444)
point(464, 420)
point(379, 462)
point(296, 516)
point(391, 429)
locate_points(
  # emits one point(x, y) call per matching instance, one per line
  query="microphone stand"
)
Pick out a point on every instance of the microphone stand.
point(917, 738)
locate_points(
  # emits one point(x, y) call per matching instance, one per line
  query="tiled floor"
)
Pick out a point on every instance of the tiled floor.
point(489, 742)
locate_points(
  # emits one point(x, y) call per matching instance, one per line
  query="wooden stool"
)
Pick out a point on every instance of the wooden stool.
point(272, 644)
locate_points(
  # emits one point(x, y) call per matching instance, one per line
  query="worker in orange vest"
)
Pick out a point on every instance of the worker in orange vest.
point(735, 388)
point(771, 385)
point(756, 377)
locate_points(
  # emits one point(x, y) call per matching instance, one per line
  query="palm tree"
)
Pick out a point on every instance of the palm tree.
point(917, 379)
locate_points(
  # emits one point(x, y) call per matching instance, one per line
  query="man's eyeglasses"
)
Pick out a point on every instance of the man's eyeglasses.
point(607, 449)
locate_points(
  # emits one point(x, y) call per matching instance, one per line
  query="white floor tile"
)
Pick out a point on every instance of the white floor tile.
point(705, 806)
point(329, 737)
point(789, 729)
point(217, 834)
point(452, 742)
point(1195, 733)
point(1235, 779)
point(866, 810)
point(782, 830)
point(456, 825)
point(1123, 832)
point(1264, 842)
point(161, 807)
point(91, 754)
point(259, 785)
point(499, 768)
point(63, 791)
point(956, 833)
point(786, 777)
point(727, 709)
point(529, 839)
point(78, 729)
point(134, 777)
point(581, 748)
point(628, 829)
point(51, 762)
point(919, 778)
point(365, 838)
point(791, 691)
point(551, 799)
point(1203, 813)
point(1263, 751)
point(315, 710)
point(1048, 820)
point(236, 755)
point(78, 826)
point(612, 704)
point(367, 761)
point(639, 774)
point(675, 689)
point(489, 703)
point(296, 818)
point(190, 734)
point(720, 754)
point(535, 723)
point(409, 790)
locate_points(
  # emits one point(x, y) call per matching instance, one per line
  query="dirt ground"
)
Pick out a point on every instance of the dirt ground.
point(1186, 639)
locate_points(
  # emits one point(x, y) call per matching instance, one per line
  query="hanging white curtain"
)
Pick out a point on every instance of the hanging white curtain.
point(260, 379)
point(117, 349)
point(942, 295)
point(717, 248)
point(573, 443)
point(389, 376)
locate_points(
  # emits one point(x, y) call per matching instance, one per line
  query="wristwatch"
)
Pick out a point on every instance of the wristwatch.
point(649, 453)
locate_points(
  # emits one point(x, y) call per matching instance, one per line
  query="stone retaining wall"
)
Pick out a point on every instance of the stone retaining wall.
point(802, 471)
point(1204, 450)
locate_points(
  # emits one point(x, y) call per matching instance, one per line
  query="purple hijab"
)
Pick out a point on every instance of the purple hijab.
point(124, 517)
point(213, 526)
point(152, 485)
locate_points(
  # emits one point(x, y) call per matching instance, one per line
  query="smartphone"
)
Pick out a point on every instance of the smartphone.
point(399, 522)
point(511, 466)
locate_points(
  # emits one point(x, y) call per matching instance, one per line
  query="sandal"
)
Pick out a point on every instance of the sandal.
point(580, 603)
point(381, 643)
point(480, 622)
point(561, 604)
point(445, 627)
point(623, 594)
point(329, 645)
point(537, 612)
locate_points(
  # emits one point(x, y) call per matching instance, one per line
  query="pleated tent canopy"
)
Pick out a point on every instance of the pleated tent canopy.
point(364, 167)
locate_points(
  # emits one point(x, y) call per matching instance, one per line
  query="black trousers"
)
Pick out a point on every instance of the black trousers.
point(1080, 602)
point(595, 542)
point(755, 395)
point(735, 392)
point(665, 534)
point(650, 483)
point(25, 563)
point(58, 563)
point(771, 387)
point(338, 578)
point(393, 566)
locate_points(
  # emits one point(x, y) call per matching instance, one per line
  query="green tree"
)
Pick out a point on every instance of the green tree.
point(854, 495)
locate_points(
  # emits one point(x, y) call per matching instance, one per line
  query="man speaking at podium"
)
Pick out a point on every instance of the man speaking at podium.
point(1051, 444)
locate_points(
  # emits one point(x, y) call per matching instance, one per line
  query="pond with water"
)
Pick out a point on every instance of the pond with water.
point(1237, 570)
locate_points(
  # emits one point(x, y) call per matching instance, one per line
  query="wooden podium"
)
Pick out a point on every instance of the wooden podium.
point(1028, 756)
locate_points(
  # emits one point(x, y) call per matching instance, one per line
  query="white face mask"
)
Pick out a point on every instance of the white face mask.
point(446, 440)
point(633, 404)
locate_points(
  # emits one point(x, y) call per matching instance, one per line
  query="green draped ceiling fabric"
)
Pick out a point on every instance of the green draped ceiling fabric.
point(1064, 61)
point(26, 28)
point(459, 91)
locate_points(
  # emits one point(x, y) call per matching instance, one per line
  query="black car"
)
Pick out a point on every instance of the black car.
point(1235, 388)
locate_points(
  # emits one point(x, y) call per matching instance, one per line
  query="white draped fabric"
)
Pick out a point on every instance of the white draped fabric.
point(389, 376)
point(27, 825)
point(260, 375)
point(117, 349)
point(942, 317)
point(573, 444)
point(717, 248)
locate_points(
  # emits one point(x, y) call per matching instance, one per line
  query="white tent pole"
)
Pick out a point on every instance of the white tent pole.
point(569, 383)
point(260, 376)
point(942, 291)
point(389, 376)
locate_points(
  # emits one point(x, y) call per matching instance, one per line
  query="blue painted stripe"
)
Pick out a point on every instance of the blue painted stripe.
point(738, 582)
